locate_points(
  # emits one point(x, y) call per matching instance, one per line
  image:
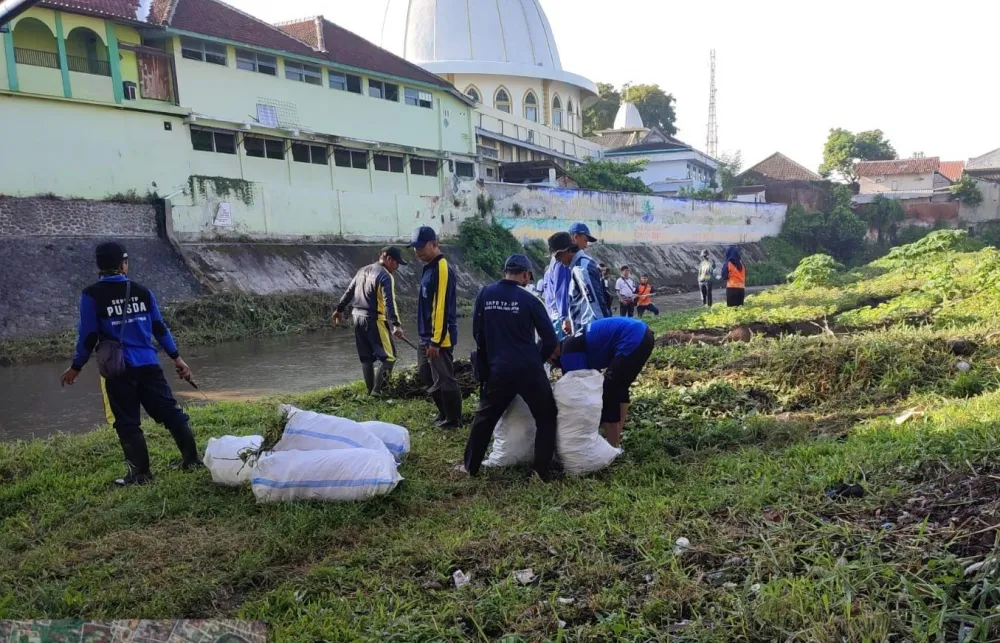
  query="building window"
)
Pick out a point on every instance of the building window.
point(570, 116)
point(531, 107)
point(474, 94)
point(465, 170)
point(303, 153)
point(379, 89)
point(345, 82)
point(252, 61)
point(387, 163)
point(262, 148)
point(208, 52)
point(491, 173)
point(303, 73)
point(423, 167)
point(418, 98)
point(557, 113)
point(501, 100)
point(205, 140)
point(350, 158)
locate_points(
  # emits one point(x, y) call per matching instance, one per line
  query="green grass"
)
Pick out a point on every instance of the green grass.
point(732, 446)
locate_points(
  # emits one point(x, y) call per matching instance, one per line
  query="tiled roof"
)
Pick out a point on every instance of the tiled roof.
point(779, 167)
point(897, 167)
point(218, 19)
point(952, 170)
point(988, 161)
point(124, 9)
point(614, 140)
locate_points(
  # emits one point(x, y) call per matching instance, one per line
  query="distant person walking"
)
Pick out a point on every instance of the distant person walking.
point(606, 280)
point(645, 293)
point(706, 274)
point(626, 288)
point(734, 273)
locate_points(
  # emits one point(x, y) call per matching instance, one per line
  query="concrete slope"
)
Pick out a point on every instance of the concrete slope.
point(673, 266)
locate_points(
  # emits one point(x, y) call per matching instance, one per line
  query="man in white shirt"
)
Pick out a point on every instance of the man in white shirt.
point(625, 286)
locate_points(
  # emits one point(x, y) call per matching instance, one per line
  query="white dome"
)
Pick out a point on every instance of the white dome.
point(496, 37)
point(628, 117)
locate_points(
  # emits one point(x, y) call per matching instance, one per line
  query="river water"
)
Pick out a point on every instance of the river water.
point(33, 405)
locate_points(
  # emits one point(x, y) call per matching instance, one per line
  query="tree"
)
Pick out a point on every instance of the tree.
point(601, 115)
point(843, 150)
point(610, 176)
point(730, 165)
point(967, 191)
point(839, 233)
point(655, 106)
point(882, 214)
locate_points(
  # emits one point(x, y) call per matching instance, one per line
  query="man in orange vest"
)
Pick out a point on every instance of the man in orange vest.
point(645, 292)
point(735, 275)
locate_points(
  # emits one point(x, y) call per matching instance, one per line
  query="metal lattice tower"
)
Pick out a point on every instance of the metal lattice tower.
point(712, 141)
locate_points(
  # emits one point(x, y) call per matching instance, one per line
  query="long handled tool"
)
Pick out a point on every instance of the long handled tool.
point(191, 381)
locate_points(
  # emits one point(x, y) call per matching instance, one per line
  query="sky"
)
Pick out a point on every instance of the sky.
point(787, 71)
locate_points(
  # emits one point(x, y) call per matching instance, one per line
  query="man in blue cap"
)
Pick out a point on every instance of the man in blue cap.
point(586, 298)
point(504, 323)
point(437, 325)
point(555, 281)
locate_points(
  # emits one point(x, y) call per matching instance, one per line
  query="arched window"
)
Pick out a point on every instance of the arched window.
point(86, 53)
point(501, 100)
point(474, 93)
point(35, 44)
point(570, 116)
point(531, 106)
point(557, 115)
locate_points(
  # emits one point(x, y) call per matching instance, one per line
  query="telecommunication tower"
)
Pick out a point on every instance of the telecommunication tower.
point(712, 142)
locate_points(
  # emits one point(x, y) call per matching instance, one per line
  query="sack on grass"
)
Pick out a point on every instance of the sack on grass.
point(395, 438)
point(222, 457)
point(514, 437)
point(579, 398)
point(308, 430)
point(337, 475)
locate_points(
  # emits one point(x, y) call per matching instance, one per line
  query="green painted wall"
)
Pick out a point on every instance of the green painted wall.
point(91, 87)
point(4, 80)
point(31, 33)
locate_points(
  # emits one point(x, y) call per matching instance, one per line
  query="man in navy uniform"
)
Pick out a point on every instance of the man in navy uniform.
point(504, 323)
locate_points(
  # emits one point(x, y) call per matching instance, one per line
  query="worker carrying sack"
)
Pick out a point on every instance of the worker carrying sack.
point(224, 458)
point(339, 475)
point(579, 398)
point(394, 437)
point(514, 437)
point(308, 431)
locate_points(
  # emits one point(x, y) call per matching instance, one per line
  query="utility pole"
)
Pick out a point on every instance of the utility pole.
point(712, 141)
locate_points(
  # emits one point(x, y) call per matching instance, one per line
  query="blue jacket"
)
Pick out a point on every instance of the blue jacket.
point(554, 285)
point(101, 318)
point(586, 296)
point(504, 323)
point(601, 342)
point(437, 305)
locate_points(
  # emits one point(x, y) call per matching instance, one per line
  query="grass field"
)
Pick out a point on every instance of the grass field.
point(739, 447)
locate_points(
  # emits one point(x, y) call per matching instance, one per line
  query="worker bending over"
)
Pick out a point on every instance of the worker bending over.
point(620, 346)
point(372, 293)
point(510, 363)
point(437, 324)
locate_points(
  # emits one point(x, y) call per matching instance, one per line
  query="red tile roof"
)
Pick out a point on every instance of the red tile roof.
point(952, 170)
point(216, 18)
point(900, 166)
point(779, 167)
point(123, 9)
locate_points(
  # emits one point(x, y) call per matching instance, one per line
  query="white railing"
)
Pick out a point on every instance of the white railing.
point(559, 141)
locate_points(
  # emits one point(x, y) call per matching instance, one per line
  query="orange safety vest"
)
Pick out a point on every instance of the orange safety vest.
point(737, 276)
point(645, 292)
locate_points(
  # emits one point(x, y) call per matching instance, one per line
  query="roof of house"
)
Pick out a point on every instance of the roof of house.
point(781, 168)
point(124, 9)
point(613, 140)
point(988, 161)
point(952, 170)
point(898, 166)
point(637, 140)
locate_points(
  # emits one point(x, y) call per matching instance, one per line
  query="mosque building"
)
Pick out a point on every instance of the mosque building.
point(503, 55)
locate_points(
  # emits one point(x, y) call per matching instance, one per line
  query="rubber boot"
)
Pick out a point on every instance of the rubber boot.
point(439, 403)
point(368, 371)
point(136, 460)
point(452, 410)
point(186, 445)
point(382, 375)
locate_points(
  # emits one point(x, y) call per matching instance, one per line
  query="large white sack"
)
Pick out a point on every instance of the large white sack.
point(514, 437)
point(337, 475)
point(308, 431)
point(222, 457)
point(579, 400)
point(395, 438)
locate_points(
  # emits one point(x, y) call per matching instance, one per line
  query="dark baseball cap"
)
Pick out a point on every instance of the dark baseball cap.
point(394, 252)
point(581, 228)
point(517, 263)
point(109, 255)
point(560, 242)
point(422, 236)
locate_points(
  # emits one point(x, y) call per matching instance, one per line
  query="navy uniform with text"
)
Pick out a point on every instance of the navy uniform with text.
point(504, 323)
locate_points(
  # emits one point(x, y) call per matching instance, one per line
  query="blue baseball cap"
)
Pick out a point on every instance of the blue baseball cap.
point(581, 228)
point(517, 263)
point(422, 236)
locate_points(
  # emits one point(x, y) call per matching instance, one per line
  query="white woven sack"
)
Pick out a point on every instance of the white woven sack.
point(222, 457)
point(514, 437)
point(308, 430)
point(337, 475)
point(579, 398)
point(395, 438)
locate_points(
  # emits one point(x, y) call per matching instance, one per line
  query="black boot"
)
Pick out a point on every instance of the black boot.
point(382, 375)
point(368, 371)
point(137, 461)
point(186, 445)
point(452, 402)
point(439, 403)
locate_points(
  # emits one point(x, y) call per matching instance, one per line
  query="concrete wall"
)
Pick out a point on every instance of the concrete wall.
point(897, 183)
point(75, 218)
point(671, 267)
point(988, 210)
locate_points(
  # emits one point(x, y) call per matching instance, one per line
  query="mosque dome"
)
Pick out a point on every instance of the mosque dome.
point(493, 37)
point(628, 117)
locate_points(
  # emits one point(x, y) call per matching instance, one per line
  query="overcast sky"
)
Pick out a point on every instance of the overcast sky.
point(787, 70)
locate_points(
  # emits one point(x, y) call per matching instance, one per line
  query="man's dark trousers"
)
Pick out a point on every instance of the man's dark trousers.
point(144, 386)
point(534, 388)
